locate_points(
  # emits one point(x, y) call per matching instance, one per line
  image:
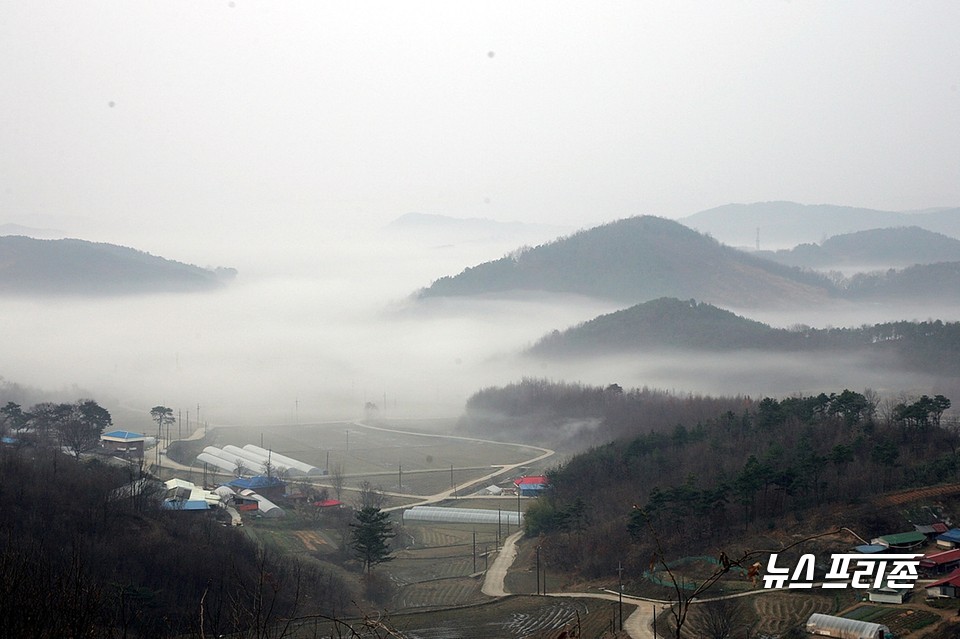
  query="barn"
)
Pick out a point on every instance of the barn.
point(830, 626)
point(531, 486)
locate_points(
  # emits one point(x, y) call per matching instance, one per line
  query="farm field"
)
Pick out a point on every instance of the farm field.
point(901, 621)
point(527, 617)
point(425, 463)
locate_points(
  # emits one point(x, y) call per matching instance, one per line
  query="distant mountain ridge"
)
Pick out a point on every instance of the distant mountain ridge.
point(434, 228)
point(669, 324)
point(637, 259)
point(787, 224)
point(70, 266)
point(881, 248)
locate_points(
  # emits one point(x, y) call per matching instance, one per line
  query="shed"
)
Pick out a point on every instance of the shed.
point(949, 539)
point(931, 530)
point(531, 486)
point(949, 586)
point(889, 595)
point(830, 626)
point(272, 487)
point(871, 549)
point(940, 563)
point(901, 541)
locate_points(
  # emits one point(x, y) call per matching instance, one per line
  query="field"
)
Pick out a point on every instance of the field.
point(901, 621)
point(520, 617)
point(425, 463)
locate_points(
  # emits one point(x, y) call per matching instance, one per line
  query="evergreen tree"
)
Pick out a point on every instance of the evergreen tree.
point(371, 535)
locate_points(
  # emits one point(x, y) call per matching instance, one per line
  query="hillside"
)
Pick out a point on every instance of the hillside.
point(875, 248)
point(638, 259)
point(670, 324)
point(69, 266)
point(709, 481)
point(787, 224)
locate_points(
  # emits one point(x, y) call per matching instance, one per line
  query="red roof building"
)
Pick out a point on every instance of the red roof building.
point(531, 486)
point(949, 586)
point(941, 562)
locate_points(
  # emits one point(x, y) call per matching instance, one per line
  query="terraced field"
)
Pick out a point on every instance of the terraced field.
point(778, 612)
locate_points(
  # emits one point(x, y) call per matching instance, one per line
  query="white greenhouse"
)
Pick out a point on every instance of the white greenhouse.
point(218, 462)
point(282, 460)
point(461, 515)
point(265, 507)
point(830, 626)
point(251, 459)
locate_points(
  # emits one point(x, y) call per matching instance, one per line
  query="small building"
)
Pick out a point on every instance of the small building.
point(888, 595)
point(265, 507)
point(940, 563)
point(830, 626)
point(949, 539)
point(931, 530)
point(124, 443)
point(269, 487)
point(184, 495)
point(949, 586)
point(870, 549)
point(901, 541)
point(531, 486)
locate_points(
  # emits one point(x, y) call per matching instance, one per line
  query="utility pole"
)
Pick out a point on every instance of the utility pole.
point(620, 591)
point(538, 569)
point(400, 481)
point(474, 550)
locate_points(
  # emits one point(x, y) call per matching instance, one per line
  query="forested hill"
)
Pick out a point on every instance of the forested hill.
point(758, 468)
point(671, 324)
point(879, 248)
point(69, 266)
point(638, 259)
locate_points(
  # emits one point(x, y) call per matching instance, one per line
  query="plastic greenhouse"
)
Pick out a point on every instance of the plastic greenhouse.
point(461, 515)
point(282, 460)
point(830, 626)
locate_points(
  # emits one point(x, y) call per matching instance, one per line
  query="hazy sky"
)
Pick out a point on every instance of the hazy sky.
point(190, 116)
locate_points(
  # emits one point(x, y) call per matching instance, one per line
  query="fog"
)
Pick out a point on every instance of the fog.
point(302, 334)
point(315, 329)
point(280, 138)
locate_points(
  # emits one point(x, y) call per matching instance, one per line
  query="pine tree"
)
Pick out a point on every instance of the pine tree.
point(371, 537)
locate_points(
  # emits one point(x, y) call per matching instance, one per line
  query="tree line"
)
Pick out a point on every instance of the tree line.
point(750, 467)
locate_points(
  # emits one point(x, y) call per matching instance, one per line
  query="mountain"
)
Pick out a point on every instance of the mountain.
point(638, 259)
point(670, 324)
point(69, 266)
point(29, 231)
point(787, 224)
point(665, 323)
point(872, 249)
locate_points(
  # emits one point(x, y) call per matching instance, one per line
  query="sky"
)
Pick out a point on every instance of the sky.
point(281, 137)
point(190, 118)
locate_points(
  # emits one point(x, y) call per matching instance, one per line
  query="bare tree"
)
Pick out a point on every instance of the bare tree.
point(336, 478)
point(370, 497)
point(719, 618)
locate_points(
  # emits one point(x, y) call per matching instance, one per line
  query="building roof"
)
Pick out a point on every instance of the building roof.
point(931, 529)
point(951, 535)
point(869, 549)
point(256, 483)
point(534, 479)
point(905, 538)
point(953, 579)
point(328, 503)
point(940, 558)
point(123, 435)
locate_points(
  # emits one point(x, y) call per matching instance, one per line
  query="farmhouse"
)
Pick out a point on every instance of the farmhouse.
point(123, 443)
